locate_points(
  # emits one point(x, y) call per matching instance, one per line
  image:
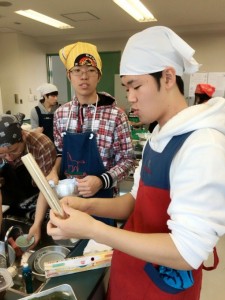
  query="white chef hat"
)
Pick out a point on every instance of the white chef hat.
point(47, 88)
point(154, 49)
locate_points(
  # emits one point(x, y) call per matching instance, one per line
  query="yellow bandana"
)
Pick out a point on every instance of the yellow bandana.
point(80, 54)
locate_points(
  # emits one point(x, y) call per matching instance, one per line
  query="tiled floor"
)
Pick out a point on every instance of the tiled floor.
point(214, 281)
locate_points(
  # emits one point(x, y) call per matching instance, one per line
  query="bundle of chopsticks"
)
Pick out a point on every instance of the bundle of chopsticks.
point(76, 264)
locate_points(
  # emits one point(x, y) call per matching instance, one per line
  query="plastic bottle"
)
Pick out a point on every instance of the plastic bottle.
point(27, 276)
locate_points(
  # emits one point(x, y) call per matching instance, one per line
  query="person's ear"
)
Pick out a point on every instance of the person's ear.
point(23, 135)
point(169, 76)
point(68, 75)
point(99, 76)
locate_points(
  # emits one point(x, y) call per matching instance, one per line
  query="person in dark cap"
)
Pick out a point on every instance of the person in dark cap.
point(203, 93)
point(18, 190)
point(175, 211)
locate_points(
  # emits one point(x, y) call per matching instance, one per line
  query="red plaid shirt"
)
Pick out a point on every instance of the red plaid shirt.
point(42, 149)
point(111, 127)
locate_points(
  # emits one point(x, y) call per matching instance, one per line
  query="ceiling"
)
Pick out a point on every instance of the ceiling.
point(103, 19)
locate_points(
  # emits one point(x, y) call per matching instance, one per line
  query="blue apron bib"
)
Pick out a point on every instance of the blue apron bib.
point(80, 157)
point(46, 121)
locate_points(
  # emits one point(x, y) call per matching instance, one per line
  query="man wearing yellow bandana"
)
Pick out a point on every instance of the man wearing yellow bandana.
point(91, 133)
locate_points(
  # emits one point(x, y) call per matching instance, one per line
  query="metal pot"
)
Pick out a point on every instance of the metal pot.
point(45, 254)
point(12, 255)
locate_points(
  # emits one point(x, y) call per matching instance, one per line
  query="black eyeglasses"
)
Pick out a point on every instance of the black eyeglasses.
point(90, 71)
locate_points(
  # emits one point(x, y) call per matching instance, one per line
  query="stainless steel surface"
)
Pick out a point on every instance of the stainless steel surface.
point(2, 261)
point(125, 186)
point(35, 257)
point(67, 243)
point(2, 281)
point(25, 224)
point(11, 255)
point(7, 243)
point(63, 291)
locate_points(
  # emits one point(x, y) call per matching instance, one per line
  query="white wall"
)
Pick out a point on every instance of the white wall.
point(23, 69)
point(209, 51)
point(23, 63)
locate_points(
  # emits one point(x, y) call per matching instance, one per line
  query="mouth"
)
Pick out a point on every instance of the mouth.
point(83, 85)
point(135, 111)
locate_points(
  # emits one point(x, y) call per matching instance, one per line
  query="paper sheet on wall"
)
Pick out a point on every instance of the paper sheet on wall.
point(217, 79)
point(195, 79)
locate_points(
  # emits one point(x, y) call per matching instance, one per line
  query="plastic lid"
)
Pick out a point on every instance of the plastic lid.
point(12, 270)
point(8, 279)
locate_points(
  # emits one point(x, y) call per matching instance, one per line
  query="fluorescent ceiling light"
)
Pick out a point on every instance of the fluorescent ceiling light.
point(29, 13)
point(136, 9)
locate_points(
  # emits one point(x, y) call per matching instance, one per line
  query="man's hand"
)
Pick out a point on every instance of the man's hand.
point(53, 176)
point(34, 231)
point(77, 224)
point(78, 203)
point(88, 186)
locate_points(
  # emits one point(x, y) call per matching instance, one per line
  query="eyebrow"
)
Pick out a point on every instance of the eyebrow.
point(128, 83)
point(12, 149)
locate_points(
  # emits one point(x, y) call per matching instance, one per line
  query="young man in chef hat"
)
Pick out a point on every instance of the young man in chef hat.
point(173, 220)
point(41, 116)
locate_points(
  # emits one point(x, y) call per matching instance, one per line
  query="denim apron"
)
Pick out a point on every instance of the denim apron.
point(80, 157)
point(46, 121)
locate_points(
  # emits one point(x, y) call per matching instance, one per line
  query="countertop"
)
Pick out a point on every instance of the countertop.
point(85, 284)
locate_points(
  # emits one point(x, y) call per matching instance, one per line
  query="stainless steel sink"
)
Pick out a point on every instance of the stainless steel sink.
point(46, 240)
point(19, 286)
point(25, 224)
point(125, 186)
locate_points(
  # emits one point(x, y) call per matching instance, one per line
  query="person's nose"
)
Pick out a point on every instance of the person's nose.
point(8, 157)
point(131, 96)
point(84, 74)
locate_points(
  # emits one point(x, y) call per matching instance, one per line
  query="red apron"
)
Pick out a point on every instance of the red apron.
point(128, 278)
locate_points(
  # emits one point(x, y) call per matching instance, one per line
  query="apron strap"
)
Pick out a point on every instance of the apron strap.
point(80, 117)
point(215, 263)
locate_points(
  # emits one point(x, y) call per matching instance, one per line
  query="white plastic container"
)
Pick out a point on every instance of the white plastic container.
point(65, 290)
point(8, 282)
point(65, 187)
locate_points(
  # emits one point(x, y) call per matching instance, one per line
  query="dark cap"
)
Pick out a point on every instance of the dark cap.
point(10, 130)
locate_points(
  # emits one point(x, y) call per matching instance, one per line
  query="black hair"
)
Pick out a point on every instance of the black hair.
point(179, 81)
point(52, 94)
point(201, 98)
point(42, 100)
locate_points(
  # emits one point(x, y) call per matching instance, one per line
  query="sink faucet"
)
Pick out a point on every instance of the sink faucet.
point(7, 243)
